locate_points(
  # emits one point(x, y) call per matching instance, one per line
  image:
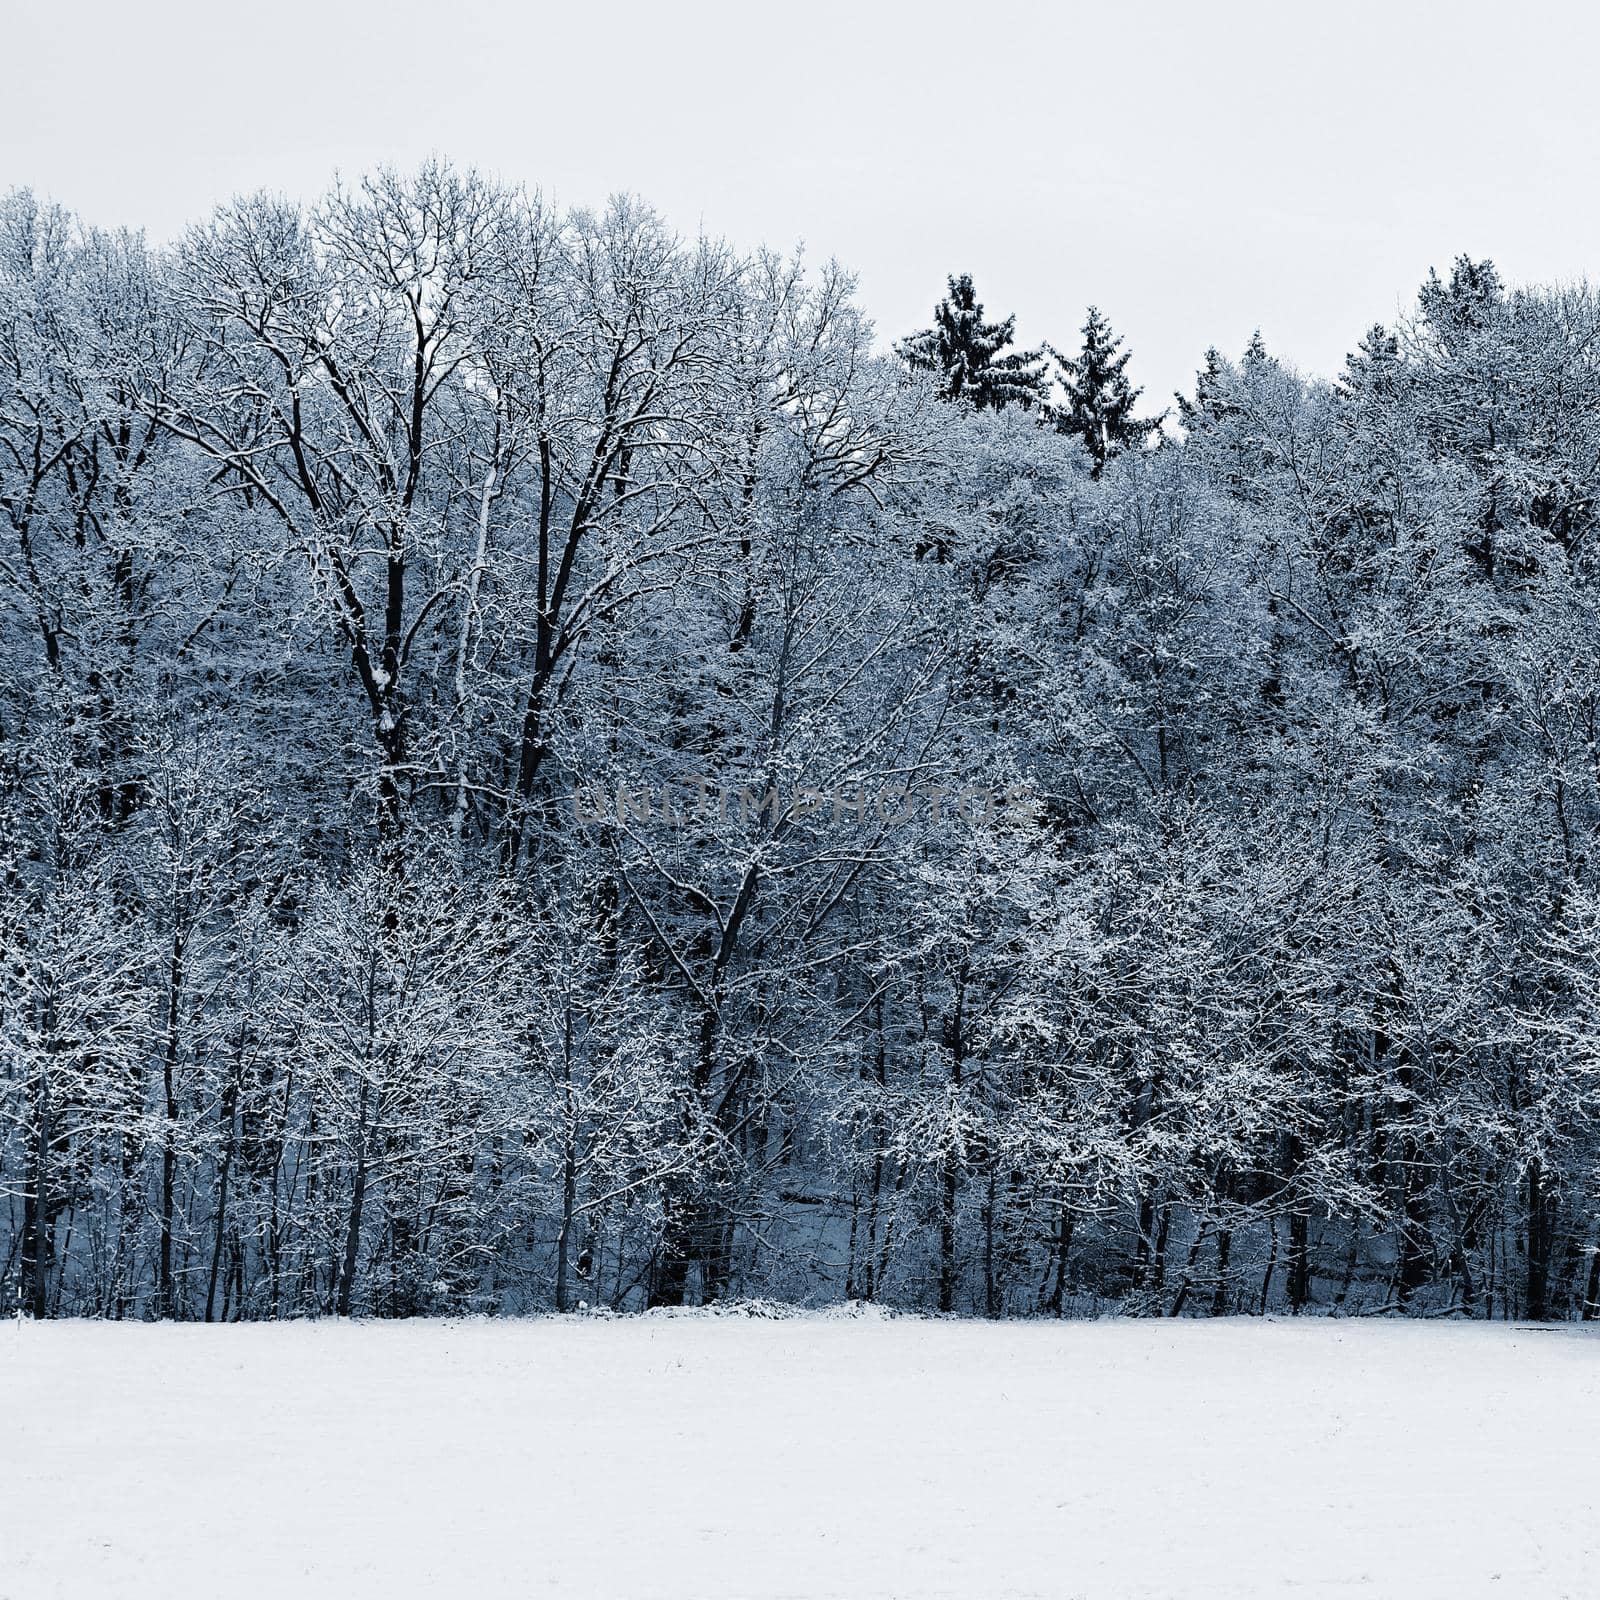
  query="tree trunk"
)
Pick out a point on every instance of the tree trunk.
point(950, 1176)
point(569, 1205)
point(36, 1225)
point(352, 1241)
point(358, 1195)
point(947, 1233)
point(230, 1107)
point(1063, 1251)
point(991, 1287)
point(1299, 1262)
point(1541, 1242)
point(166, 1299)
point(1219, 1301)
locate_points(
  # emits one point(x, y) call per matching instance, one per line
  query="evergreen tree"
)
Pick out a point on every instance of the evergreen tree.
point(1210, 403)
point(966, 352)
point(1099, 399)
point(1467, 305)
point(1372, 369)
point(1256, 357)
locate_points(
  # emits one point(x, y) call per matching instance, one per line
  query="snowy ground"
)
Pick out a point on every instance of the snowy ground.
point(704, 1457)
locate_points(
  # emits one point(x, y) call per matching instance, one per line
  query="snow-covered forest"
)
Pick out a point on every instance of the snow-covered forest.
point(546, 762)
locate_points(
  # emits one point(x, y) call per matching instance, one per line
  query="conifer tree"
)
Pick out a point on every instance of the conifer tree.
point(970, 354)
point(1099, 399)
point(1210, 403)
point(1466, 305)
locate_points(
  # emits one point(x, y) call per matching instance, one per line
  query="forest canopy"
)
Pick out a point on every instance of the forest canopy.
point(541, 763)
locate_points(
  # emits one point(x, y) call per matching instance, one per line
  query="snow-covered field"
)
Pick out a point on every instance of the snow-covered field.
point(701, 1457)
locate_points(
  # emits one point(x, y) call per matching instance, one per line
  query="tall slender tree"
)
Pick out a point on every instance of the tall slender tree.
point(1098, 399)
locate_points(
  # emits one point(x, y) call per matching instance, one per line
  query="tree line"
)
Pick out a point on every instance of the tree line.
point(1119, 861)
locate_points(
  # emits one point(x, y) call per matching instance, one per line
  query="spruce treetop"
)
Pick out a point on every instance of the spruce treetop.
point(1099, 400)
point(970, 357)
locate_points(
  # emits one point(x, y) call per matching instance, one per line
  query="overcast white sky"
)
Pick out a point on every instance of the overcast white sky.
point(1196, 169)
